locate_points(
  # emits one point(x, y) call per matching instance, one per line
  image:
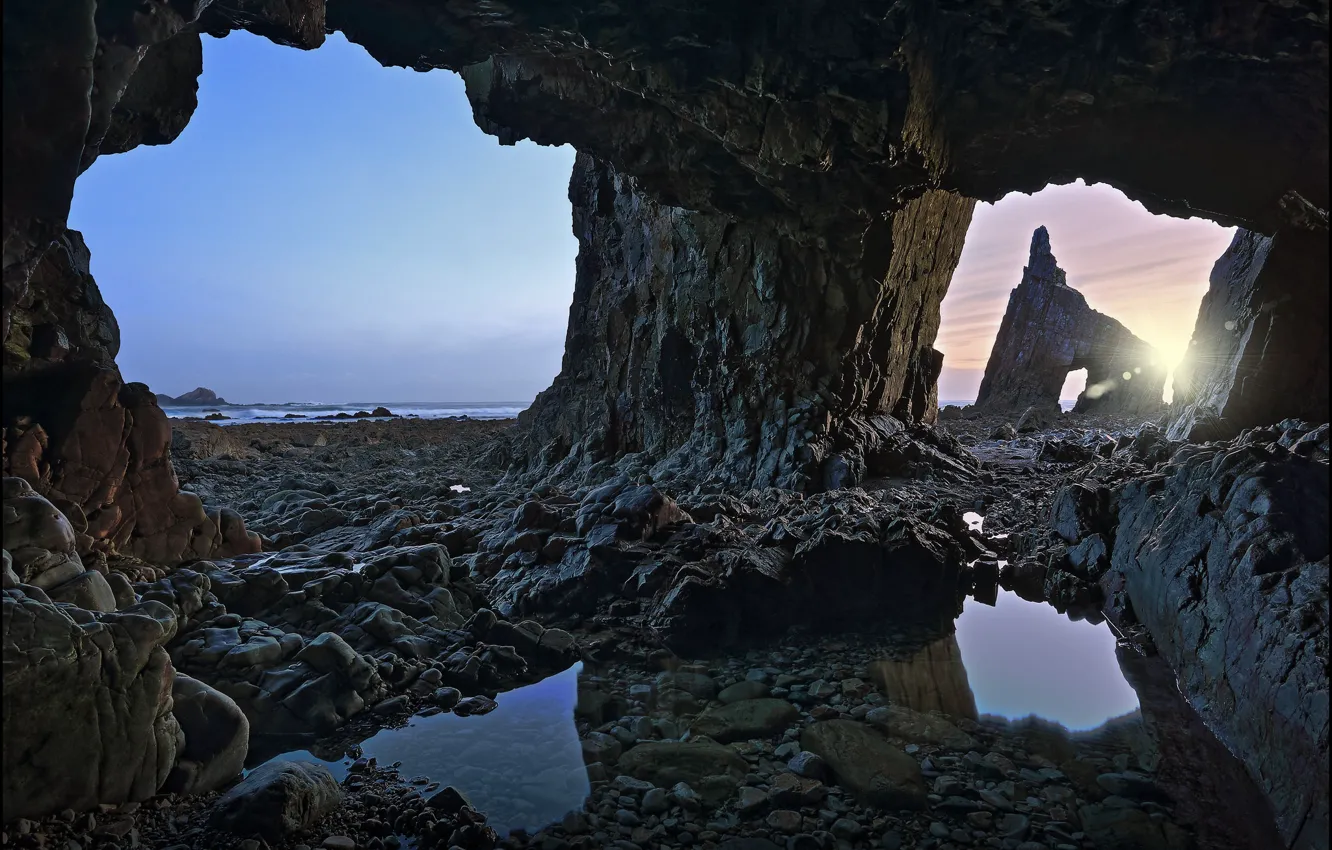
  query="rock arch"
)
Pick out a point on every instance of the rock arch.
point(1049, 331)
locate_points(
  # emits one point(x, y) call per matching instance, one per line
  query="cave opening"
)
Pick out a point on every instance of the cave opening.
point(1143, 271)
point(330, 232)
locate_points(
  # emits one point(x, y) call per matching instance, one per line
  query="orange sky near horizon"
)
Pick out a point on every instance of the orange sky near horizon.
point(1149, 272)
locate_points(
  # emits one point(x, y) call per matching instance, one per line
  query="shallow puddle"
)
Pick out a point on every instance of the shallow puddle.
point(521, 764)
point(1024, 658)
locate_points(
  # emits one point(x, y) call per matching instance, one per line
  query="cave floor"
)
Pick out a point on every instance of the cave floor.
point(1016, 727)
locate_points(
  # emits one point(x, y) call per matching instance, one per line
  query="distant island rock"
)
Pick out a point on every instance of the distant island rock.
point(197, 397)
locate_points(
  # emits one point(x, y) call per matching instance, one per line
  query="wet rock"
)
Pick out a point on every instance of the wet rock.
point(910, 726)
point(1041, 417)
point(277, 799)
point(743, 690)
point(1117, 828)
point(666, 763)
point(1224, 559)
point(217, 738)
point(95, 693)
point(753, 718)
point(867, 764)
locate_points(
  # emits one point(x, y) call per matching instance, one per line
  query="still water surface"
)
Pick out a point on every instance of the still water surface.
point(522, 763)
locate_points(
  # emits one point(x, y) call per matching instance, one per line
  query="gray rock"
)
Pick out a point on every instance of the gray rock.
point(669, 762)
point(217, 738)
point(1225, 562)
point(743, 690)
point(95, 693)
point(739, 721)
point(809, 765)
point(867, 764)
point(88, 590)
point(277, 799)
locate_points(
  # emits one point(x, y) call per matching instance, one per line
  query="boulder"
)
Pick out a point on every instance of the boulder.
point(668, 762)
point(89, 590)
point(915, 727)
point(867, 764)
point(277, 799)
point(746, 719)
point(217, 738)
point(95, 693)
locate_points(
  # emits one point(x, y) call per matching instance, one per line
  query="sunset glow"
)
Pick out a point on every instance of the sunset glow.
point(1149, 272)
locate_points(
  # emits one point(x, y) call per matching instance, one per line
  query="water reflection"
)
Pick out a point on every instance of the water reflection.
point(521, 764)
point(1025, 658)
point(934, 679)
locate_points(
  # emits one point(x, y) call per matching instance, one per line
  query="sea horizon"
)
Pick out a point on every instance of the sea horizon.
point(318, 411)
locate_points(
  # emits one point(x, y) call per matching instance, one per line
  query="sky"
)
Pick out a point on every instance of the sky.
point(328, 230)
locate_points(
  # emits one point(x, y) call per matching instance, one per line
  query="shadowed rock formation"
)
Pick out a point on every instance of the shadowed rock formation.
point(1049, 331)
point(832, 147)
point(1259, 351)
point(730, 354)
point(1225, 562)
point(769, 204)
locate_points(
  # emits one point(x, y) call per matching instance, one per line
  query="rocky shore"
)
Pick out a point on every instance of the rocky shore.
point(741, 686)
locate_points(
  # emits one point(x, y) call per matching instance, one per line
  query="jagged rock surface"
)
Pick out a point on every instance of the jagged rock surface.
point(733, 356)
point(1048, 331)
point(1259, 350)
point(1224, 559)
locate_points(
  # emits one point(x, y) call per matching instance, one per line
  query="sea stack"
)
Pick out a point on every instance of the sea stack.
point(1049, 331)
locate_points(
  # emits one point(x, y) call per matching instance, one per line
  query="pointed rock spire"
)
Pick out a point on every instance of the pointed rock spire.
point(1041, 264)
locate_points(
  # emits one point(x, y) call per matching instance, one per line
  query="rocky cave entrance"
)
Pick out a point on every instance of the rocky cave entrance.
point(329, 230)
point(1120, 300)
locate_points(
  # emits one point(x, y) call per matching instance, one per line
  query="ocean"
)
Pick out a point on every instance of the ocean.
point(1065, 404)
point(313, 410)
point(416, 409)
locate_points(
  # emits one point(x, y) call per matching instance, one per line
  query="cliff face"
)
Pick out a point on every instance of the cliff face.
point(730, 354)
point(1049, 331)
point(1259, 350)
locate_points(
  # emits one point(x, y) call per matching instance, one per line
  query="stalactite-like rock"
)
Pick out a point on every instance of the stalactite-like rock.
point(1049, 331)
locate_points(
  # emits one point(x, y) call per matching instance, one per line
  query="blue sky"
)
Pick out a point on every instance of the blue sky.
point(326, 229)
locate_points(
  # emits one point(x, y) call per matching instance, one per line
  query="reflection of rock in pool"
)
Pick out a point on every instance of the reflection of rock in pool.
point(521, 764)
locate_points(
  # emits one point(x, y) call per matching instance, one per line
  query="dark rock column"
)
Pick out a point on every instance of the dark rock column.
point(1259, 352)
point(1224, 560)
point(1049, 331)
point(730, 354)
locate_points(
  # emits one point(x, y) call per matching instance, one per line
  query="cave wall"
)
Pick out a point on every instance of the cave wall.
point(1259, 351)
point(807, 127)
point(730, 354)
point(95, 446)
